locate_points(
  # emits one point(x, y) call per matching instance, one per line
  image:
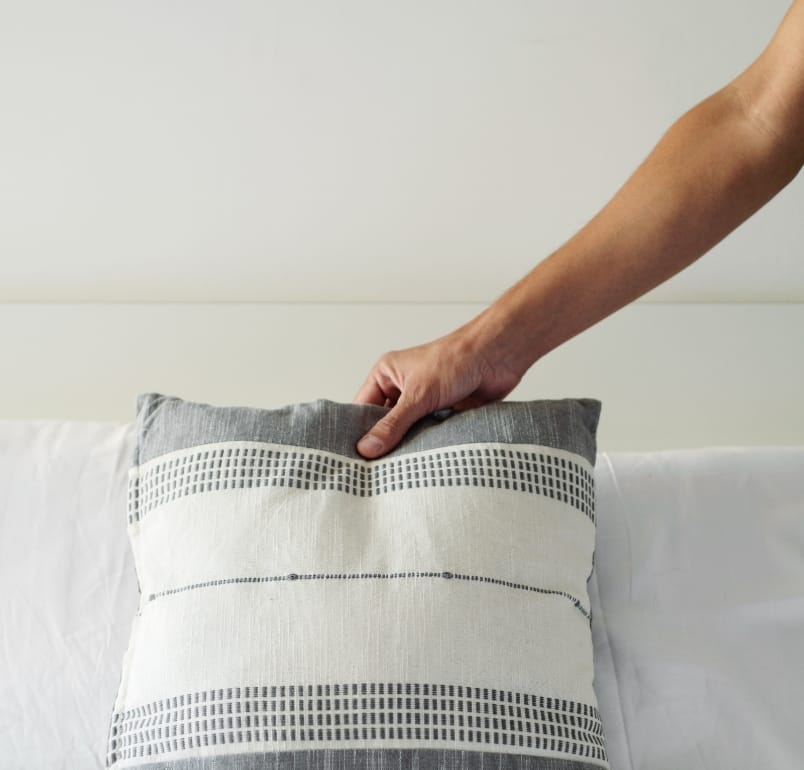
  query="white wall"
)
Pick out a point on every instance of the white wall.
point(352, 150)
point(360, 152)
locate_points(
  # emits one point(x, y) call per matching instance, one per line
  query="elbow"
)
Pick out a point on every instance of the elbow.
point(792, 144)
point(785, 147)
point(776, 125)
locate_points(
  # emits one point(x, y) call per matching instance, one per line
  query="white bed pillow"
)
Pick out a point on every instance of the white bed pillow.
point(698, 592)
point(69, 589)
point(304, 607)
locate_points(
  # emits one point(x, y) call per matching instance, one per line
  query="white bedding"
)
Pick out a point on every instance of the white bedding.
point(699, 591)
point(697, 599)
point(69, 590)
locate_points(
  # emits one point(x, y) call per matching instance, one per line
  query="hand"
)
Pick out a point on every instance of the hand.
point(452, 371)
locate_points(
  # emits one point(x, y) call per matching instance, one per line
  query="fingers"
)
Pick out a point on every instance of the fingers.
point(370, 393)
point(388, 431)
point(379, 387)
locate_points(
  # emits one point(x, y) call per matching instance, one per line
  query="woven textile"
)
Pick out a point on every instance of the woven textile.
point(302, 607)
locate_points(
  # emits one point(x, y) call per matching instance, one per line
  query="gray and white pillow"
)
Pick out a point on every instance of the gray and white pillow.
point(302, 607)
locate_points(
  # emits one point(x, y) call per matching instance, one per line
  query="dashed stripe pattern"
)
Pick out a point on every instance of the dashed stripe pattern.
point(246, 466)
point(374, 575)
point(355, 712)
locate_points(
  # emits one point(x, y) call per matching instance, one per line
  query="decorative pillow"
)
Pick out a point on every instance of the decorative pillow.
point(302, 607)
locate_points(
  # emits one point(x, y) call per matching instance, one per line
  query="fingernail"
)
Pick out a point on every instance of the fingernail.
point(369, 445)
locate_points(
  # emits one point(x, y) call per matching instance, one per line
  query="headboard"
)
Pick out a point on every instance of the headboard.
point(669, 375)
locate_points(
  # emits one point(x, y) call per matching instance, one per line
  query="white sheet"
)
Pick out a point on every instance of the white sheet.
point(697, 597)
point(699, 588)
point(69, 590)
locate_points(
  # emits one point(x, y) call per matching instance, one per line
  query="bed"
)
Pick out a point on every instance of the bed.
point(697, 597)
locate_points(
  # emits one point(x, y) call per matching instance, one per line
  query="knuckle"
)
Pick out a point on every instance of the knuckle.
point(390, 425)
point(387, 357)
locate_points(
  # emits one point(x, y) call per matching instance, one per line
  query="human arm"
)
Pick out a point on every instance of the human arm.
point(714, 167)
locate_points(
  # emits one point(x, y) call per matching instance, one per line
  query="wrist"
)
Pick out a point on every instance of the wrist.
point(500, 336)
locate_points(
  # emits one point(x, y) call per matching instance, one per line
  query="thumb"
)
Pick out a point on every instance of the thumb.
point(388, 431)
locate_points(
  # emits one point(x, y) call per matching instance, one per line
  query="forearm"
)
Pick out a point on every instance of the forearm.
point(712, 169)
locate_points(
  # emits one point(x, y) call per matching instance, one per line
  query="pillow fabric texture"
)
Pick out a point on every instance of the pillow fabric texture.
point(303, 607)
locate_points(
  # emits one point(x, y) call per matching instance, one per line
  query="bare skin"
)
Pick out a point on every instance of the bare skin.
point(715, 166)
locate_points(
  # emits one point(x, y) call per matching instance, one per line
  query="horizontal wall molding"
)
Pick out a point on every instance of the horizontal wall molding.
point(669, 375)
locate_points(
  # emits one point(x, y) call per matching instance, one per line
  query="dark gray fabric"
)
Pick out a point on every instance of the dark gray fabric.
point(518, 467)
point(504, 721)
point(167, 423)
point(372, 759)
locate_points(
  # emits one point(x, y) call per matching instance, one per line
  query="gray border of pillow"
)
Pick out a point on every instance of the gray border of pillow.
point(168, 423)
